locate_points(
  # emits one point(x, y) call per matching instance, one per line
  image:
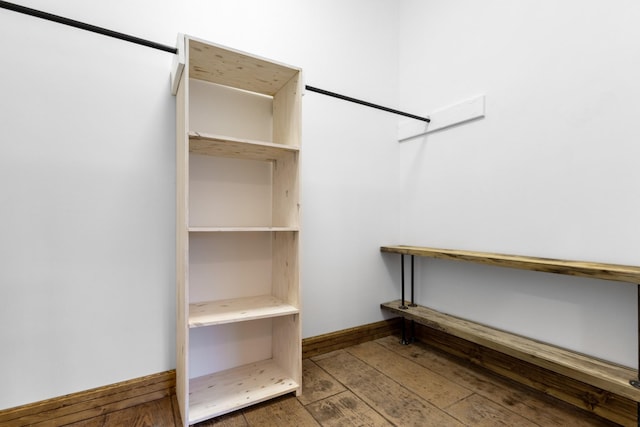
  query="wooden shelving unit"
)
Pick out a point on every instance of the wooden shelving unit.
point(237, 233)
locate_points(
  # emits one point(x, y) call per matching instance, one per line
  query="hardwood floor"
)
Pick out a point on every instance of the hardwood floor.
point(383, 383)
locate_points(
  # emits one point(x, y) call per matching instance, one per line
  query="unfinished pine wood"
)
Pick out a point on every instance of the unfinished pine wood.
point(287, 112)
point(223, 392)
point(182, 246)
point(599, 373)
point(244, 180)
point(285, 268)
point(227, 146)
point(287, 351)
point(229, 67)
point(620, 273)
point(203, 229)
point(285, 191)
point(237, 310)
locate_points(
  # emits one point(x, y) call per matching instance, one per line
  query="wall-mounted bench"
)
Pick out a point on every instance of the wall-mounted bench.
point(601, 374)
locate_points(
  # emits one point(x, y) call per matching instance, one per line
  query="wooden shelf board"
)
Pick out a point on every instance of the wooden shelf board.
point(621, 273)
point(220, 393)
point(229, 67)
point(226, 146)
point(602, 374)
point(238, 310)
point(205, 229)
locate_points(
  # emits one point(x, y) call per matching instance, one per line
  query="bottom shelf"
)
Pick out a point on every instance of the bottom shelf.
point(590, 370)
point(222, 392)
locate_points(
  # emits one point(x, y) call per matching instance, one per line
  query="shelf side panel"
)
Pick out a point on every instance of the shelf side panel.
point(287, 347)
point(287, 112)
point(286, 191)
point(285, 269)
point(182, 243)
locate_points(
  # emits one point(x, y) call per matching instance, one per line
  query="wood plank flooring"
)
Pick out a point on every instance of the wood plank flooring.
point(383, 383)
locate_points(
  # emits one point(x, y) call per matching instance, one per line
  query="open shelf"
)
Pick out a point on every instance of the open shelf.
point(237, 310)
point(203, 229)
point(599, 373)
point(616, 272)
point(222, 392)
point(229, 67)
point(226, 146)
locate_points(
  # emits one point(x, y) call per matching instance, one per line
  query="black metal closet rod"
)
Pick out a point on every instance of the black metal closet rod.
point(137, 40)
point(365, 103)
point(84, 26)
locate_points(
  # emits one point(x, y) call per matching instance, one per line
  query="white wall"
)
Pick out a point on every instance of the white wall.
point(551, 171)
point(87, 168)
point(87, 178)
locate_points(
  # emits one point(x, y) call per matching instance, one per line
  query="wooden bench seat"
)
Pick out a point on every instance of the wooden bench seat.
point(619, 273)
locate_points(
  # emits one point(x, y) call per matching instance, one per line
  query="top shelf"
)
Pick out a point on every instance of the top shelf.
point(616, 272)
point(233, 68)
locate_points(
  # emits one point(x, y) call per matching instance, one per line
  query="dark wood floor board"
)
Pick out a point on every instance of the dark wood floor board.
point(150, 414)
point(234, 419)
point(89, 403)
point(479, 411)
point(279, 412)
point(176, 411)
point(427, 384)
point(345, 410)
point(317, 384)
point(535, 406)
point(390, 399)
point(580, 395)
point(93, 422)
point(458, 371)
point(133, 402)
